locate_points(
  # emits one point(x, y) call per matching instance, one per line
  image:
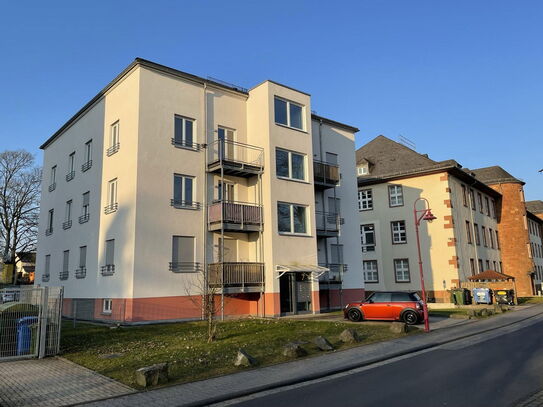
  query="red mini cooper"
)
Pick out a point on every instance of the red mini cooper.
point(387, 305)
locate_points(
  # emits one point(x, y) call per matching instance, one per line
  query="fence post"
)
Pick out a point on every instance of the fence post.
point(43, 322)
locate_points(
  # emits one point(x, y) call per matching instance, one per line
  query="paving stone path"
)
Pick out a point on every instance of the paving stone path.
point(53, 382)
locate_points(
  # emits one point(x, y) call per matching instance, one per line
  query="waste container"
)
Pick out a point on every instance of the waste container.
point(24, 334)
point(460, 296)
point(504, 297)
point(482, 296)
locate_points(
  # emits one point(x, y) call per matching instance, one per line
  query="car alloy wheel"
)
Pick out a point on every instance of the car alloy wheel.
point(410, 317)
point(354, 315)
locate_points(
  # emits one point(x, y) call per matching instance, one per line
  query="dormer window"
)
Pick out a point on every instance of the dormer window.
point(362, 170)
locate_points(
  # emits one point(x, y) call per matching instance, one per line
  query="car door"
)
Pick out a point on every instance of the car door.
point(378, 307)
point(400, 301)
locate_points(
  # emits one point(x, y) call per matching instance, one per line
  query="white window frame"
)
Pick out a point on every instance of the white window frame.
point(289, 121)
point(183, 187)
point(114, 136)
point(291, 216)
point(365, 203)
point(53, 175)
point(371, 275)
point(68, 211)
point(402, 270)
point(85, 209)
point(183, 142)
point(362, 170)
point(290, 153)
point(107, 306)
point(394, 195)
point(398, 231)
point(88, 151)
point(363, 238)
point(112, 192)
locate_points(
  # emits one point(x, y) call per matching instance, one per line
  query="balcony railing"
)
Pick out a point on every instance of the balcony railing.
point(86, 166)
point(81, 272)
point(111, 208)
point(335, 273)
point(326, 175)
point(236, 274)
point(184, 267)
point(70, 176)
point(181, 204)
point(48, 231)
point(52, 187)
point(327, 223)
point(113, 149)
point(235, 216)
point(186, 145)
point(67, 224)
point(368, 248)
point(84, 218)
point(63, 275)
point(234, 158)
point(108, 269)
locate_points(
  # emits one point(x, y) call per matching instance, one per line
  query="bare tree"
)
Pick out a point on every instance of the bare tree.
point(20, 182)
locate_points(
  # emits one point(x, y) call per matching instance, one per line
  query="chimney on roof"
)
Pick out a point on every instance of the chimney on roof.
point(425, 155)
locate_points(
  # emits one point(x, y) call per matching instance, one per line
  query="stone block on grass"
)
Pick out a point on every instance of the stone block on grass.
point(152, 375)
point(399, 327)
point(293, 350)
point(244, 359)
point(349, 336)
point(323, 343)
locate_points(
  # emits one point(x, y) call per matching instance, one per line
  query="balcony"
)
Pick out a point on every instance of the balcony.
point(45, 278)
point(184, 267)
point(108, 269)
point(233, 216)
point(335, 273)
point(181, 204)
point(70, 176)
point(326, 175)
point(186, 145)
point(67, 224)
point(49, 231)
point(113, 149)
point(63, 275)
point(52, 187)
point(112, 207)
point(81, 272)
point(84, 218)
point(237, 277)
point(86, 166)
point(327, 224)
point(233, 158)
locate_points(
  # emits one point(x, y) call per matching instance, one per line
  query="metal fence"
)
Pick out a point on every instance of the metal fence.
point(30, 321)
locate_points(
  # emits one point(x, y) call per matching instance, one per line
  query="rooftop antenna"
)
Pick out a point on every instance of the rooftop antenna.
point(406, 142)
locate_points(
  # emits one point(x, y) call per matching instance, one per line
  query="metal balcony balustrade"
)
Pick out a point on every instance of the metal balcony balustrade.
point(335, 273)
point(327, 223)
point(86, 166)
point(236, 276)
point(63, 275)
point(181, 204)
point(48, 231)
point(111, 208)
point(70, 176)
point(186, 145)
point(325, 175)
point(234, 216)
point(234, 158)
point(184, 267)
point(368, 247)
point(81, 272)
point(108, 269)
point(113, 149)
point(67, 224)
point(52, 187)
point(45, 278)
point(84, 218)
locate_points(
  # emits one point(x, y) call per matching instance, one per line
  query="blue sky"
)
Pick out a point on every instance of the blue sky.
point(461, 79)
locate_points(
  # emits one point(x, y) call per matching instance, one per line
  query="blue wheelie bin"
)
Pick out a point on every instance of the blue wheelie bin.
point(24, 334)
point(482, 296)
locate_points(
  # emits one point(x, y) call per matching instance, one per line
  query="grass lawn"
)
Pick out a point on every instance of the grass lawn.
point(530, 300)
point(447, 312)
point(184, 345)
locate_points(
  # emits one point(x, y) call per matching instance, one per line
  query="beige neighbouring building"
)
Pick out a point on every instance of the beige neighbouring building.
point(461, 242)
point(165, 180)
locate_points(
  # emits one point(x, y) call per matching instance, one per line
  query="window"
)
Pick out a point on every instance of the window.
point(109, 267)
point(112, 204)
point(395, 195)
point(183, 190)
point(367, 238)
point(81, 272)
point(53, 179)
point(288, 113)
point(464, 195)
point(362, 170)
point(480, 261)
point(483, 231)
point(183, 255)
point(65, 265)
point(114, 142)
point(289, 164)
point(472, 266)
point(491, 235)
point(107, 306)
point(472, 199)
point(477, 236)
point(480, 199)
point(184, 132)
point(47, 268)
point(85, 212)
point(334, 205)
point(487, 206)
point(501, 267)
point(365, 200)
point(88, 156)
point(468, 232)
point(71, 167)
point(381, 297)
point(488, 264)
point(225, 191)
point(401, 270)
point(50, 217)
point(399, 234)
point(370, 271)
point(495, 265)
point(292, 218)
point(67, 216)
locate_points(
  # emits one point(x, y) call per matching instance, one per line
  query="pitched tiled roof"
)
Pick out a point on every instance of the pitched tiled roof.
point(495, 175)
point(490, 275)
point(534, 206)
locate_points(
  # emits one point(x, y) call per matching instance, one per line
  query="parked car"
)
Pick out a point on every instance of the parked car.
point(389, 306)
point(9, 296)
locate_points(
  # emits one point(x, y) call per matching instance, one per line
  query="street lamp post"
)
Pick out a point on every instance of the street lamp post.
point(422, 214)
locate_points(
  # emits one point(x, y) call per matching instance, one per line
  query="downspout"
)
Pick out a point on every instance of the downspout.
point(326, 257)
point(205, 209)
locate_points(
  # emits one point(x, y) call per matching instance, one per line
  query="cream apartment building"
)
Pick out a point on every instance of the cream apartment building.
point(166, 183)
point(461, 242)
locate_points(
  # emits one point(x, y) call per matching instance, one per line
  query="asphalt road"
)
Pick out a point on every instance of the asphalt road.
point(493, 372)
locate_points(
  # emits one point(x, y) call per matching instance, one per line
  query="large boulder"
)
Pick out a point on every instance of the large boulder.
point(399, 327)
point(349, 336)
point(244, 359)
point(293, 350)
point(152, 375)
point(322, 343)
point(485, 312)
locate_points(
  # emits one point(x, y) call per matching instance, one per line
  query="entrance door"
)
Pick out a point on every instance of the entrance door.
point(226, 139)
point(225, 191)
point(295, 293)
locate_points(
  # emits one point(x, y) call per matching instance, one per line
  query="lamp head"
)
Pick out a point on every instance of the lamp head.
point(429, 216)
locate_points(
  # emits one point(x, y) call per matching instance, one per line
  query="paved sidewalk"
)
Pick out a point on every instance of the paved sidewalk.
point(251, 381)
point(53, 382)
